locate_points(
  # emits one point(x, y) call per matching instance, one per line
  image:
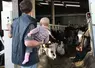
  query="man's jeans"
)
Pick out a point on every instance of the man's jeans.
point(32, 66)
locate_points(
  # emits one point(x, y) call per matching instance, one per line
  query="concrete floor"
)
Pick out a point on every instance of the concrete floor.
point(60, 62)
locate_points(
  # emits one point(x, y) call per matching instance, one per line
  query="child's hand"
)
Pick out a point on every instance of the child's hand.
point(28, 34)
point(42, 42)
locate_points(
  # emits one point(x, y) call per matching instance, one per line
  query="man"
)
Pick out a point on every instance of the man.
point(18, 31)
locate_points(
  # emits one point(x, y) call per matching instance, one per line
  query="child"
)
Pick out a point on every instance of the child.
point(40, 34)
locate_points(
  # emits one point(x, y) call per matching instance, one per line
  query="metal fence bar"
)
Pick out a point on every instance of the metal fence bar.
point(2, 52)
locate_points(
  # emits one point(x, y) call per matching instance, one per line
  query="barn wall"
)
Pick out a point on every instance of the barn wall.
point(72, 19)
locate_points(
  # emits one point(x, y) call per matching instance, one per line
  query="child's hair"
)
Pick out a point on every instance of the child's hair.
point(44, 21)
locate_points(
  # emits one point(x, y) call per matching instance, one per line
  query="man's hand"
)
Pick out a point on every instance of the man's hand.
point(9, 27)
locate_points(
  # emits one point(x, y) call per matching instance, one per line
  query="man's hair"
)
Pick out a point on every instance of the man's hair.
point(25, 6)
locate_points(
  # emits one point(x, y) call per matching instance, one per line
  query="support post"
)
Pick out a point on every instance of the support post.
point(33, 4)
point(15, 9)
point(7, 18)
point(7, 50)
point(92, 24)
point(53, 13)
point(15, 14)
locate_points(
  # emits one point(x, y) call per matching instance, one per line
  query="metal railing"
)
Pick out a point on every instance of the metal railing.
point(2, 52)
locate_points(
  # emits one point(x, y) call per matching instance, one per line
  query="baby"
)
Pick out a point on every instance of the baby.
point(40, 34)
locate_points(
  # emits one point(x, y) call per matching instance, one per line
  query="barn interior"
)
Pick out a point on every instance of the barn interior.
point(62, 14)
point(65, 11)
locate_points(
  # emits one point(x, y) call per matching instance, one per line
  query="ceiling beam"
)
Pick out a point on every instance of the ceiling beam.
point(6, 0)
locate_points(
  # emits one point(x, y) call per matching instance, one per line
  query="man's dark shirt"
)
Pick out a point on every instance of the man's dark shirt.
point(20, 27)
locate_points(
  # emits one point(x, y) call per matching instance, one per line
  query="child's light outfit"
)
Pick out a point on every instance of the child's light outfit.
point(39, 34)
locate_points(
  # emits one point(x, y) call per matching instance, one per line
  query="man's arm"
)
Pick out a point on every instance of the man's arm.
point(32, 43)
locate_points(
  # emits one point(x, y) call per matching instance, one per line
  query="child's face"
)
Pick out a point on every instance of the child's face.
point(44, 24)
